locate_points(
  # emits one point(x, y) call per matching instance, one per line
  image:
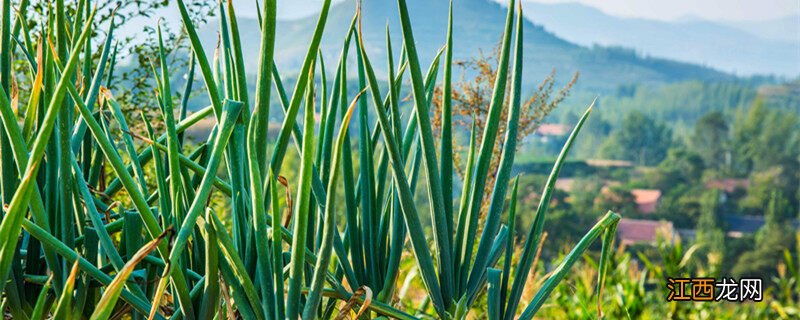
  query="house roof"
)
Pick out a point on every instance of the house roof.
point(728, 185)
point(608, 163)
point(739, 225)
point(552, 129)
point(632, 231)
point(646, 199)
point(743, 223)
point(565, 184)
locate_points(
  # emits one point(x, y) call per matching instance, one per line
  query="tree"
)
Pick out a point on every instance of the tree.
point(471, 101)
point(764, 138)
point(762, 186)
point(594, 132)
point(617, 198)
point(132, 56)
point(711, 140)
point(681, 167)
point(142, 51)
point(709, 234)
point(771, 240)
point(640, 139)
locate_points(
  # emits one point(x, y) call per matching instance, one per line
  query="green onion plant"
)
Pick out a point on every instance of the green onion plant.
point(99, 228)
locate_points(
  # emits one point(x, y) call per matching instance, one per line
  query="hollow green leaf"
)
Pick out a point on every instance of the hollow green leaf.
point(535, 232)
point(109, 299)
point(608, 222)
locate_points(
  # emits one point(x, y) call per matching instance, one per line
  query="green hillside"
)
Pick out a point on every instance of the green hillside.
point(691, 40)
point(477, 28)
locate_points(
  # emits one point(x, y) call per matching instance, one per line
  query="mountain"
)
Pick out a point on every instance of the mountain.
point(291, 10)
point(781, 29)
point(477, 28)
point(744, 49)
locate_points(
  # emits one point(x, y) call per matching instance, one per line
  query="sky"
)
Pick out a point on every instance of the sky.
point(716, 10)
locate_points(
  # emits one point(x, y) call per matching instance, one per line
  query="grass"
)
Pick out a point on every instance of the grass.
point(171, 255)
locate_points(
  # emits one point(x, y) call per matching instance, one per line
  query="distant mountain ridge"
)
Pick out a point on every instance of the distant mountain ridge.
point(782, 29)
point(477, 28)
point(744, 48)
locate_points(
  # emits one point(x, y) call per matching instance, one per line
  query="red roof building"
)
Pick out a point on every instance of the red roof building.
point(609, 163)
point(646, 199)
point(728, 185)
point(565, 184)
point(631, 231)
point(552, 129)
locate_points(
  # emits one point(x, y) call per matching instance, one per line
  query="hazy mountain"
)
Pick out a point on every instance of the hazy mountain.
point(743, 48)
point(782, 29)
point(478, 25)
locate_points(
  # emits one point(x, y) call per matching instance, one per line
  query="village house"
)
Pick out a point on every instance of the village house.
point(646, 199)
point(633, 231)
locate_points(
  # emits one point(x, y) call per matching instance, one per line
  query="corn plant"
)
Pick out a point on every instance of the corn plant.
point(133, 217)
